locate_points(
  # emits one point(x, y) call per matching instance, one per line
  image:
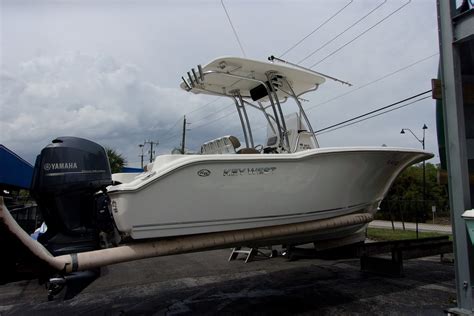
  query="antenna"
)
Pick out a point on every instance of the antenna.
point(272, 58)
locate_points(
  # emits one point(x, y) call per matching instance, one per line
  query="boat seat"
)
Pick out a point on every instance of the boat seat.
point(248, 151)
point(235, 141)
point(222, 145)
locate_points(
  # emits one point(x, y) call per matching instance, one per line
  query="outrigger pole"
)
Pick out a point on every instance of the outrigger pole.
point(273, 58)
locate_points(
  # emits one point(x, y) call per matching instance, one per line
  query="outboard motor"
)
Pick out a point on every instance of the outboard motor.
point(69, 185)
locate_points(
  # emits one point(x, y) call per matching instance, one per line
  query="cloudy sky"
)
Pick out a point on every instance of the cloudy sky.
point(110, 70)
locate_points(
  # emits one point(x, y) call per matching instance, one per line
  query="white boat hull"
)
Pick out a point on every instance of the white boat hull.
point(185, 195)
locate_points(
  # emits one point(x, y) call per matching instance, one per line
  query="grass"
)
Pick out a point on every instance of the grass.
point(381, 234)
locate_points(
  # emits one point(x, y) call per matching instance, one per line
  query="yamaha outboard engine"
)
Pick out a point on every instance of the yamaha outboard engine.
point(69, 184)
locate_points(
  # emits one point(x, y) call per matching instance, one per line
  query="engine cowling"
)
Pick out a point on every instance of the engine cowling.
point(69, 185)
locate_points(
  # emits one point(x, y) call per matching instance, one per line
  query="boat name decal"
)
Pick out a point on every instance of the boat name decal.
point(248, 171)
point(59, 165)
point(204, 172)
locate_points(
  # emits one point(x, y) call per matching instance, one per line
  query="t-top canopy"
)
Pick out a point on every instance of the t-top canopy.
point(227, 75)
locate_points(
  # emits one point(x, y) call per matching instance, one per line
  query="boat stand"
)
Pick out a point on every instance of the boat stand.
point(386, 257)
point(380, 257)
point(252, 253)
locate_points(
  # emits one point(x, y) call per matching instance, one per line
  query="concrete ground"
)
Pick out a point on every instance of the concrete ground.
point(206, 283)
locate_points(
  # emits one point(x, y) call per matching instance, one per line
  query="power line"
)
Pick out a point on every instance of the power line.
point(243, 52)
point(316, 29)
point(179, 119)
point(212, 114)
point(309, 35)
point(170, 139)
point(367, 84)
point(171, 128)
point(375, 115)
point(218, 119)
point(233, 29)
point(165, 141)
point(361, 118)
point(227, 114)
point(213, 121)
point(361, 34)
point(203, 106)
point(373, 81)
point(347, 29)
point(374, 111)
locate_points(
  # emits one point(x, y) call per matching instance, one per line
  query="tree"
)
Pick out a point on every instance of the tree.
point(405, 196)
point(116, 160)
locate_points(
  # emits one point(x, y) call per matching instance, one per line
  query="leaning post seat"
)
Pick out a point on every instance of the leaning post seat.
point(221, 145)
point(248, 151)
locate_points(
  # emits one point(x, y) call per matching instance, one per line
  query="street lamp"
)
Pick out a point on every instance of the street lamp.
point(422, 141)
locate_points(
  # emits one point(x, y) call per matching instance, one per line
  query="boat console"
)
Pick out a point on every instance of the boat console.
point(299, 137)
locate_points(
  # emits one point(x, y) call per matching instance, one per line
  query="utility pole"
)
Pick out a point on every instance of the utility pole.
point(184, 135)
point(151, 151)
point(142, 155)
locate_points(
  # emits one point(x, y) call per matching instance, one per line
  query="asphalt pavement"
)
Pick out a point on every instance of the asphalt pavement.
point(206, 283)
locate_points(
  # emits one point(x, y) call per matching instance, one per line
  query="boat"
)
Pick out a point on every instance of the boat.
point(234, 186)
point(286, 191)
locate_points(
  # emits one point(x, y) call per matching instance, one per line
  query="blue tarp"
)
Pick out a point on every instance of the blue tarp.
point(131, 170)
point(14, 170)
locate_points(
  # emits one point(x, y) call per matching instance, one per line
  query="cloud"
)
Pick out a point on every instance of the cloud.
point(94, 94)
point(95, 97)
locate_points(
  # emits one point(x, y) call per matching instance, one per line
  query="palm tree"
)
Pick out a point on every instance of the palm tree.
point(116, 160)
